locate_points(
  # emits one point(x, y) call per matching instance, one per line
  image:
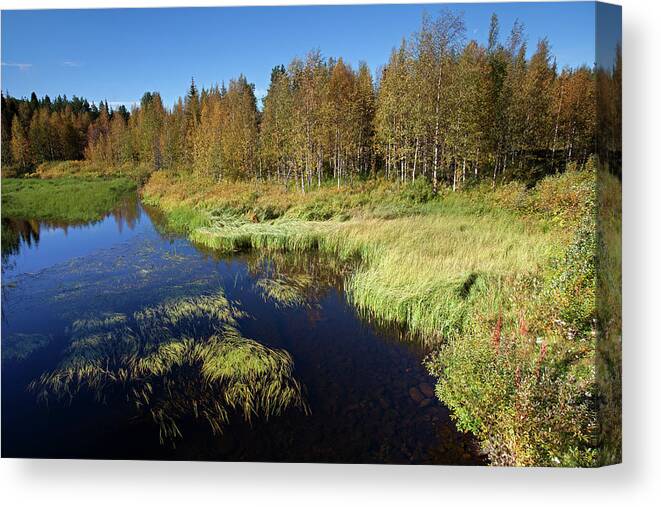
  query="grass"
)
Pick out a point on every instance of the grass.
point(86, 169)
point(19, 346)
point(609, 307)
point(417, 256)
point(499, 283)
point(284, 291)
point(184, 358)
point(70, 199)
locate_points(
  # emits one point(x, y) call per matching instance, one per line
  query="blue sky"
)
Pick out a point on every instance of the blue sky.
point(118, 54)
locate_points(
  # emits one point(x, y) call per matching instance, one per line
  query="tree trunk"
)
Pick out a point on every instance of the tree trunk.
point(415, 157)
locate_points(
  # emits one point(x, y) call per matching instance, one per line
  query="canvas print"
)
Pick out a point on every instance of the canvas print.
point(381, 234)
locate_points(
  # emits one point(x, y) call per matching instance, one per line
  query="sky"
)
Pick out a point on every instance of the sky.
point(118, 54)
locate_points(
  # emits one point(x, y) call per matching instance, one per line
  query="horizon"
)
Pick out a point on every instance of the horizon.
point(42, 54)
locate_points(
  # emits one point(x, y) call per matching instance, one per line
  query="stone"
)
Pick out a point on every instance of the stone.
point(425, 403)
point(416, 395)
point(426, 389)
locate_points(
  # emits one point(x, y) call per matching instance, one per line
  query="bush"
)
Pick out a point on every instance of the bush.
point(510, 393)
point(419, 192)
point(526, 385)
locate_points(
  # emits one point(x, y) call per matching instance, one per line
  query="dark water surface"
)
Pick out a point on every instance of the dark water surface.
point(362, 383)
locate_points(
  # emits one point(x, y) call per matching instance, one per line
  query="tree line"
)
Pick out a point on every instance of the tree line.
point(442, 108)
point(35, 131)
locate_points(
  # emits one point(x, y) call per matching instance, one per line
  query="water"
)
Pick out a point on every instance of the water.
point(356, 376)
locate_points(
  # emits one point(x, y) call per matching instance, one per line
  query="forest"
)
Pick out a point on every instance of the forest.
point(441, 108)
point(478, 184)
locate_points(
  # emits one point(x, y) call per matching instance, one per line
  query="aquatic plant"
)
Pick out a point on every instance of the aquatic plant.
point(183, 358)
point(18, 346)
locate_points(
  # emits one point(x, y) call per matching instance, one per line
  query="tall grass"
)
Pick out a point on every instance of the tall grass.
point(414, 266)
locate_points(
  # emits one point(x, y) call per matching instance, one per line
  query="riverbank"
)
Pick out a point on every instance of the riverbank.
point(67, 199)
point(498, 283)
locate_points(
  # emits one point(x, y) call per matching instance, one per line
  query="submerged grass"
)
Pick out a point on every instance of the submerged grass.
point(285, 291)
point(19, 346)
point(500, 283)
point(181, 359)
point(63, 200)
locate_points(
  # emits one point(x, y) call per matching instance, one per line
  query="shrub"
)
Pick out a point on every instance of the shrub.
point(420, 191)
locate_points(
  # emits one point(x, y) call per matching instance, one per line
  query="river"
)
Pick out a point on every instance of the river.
point(368, 394)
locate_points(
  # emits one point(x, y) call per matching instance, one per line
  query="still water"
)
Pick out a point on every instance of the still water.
point(368, 394)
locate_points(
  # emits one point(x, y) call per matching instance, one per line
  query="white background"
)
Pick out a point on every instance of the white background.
point(636, 482)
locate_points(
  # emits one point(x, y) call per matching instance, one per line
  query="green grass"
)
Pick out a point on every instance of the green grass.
point(415, 262)
point(87, 169)
point(70, 199)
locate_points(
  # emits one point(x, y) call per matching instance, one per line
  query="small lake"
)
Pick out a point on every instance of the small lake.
point(367, 391)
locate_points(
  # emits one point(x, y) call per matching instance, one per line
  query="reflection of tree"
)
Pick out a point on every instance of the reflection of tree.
point(184, 358)
point(128, 212)
point(17, 232)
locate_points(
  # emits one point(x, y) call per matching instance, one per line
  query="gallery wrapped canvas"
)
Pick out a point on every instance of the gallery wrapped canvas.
point(341, 234)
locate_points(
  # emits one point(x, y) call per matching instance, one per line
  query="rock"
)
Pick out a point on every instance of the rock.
point(416, 395)
point(425, 403)
point(426, 389)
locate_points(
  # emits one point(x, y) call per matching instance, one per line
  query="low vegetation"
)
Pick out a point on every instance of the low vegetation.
point(69, 199)
point(609, 308)
point(88, 169)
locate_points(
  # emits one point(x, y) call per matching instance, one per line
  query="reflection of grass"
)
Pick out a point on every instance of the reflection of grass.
point(66, 199)
point(183, 358)
point(284, 291)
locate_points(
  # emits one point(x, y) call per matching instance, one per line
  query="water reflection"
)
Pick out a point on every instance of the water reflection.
point(29, 246)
